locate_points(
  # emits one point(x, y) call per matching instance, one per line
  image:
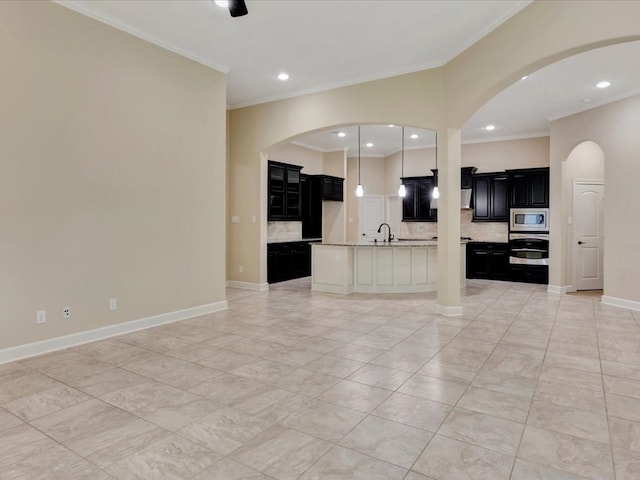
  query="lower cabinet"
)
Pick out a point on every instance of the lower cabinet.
point(530, 273)
point(488, 260)
point(288, 260)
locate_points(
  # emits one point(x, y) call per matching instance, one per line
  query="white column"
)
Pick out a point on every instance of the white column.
point(449, 163)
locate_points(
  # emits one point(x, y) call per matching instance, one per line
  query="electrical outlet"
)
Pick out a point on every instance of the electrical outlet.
point(66, 312)
point(113, 304)
point(41, 316)
point(241, 269)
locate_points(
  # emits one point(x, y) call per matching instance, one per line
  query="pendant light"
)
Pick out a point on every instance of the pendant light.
point(436, 191)
point(402, 191)
point(359, 189)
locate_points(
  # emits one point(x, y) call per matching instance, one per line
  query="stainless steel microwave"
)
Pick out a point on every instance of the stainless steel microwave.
point(529, 220)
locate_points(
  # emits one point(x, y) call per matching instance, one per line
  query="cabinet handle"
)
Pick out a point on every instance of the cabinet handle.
point(580, 242)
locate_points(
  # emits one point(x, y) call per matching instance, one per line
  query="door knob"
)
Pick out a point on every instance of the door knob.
point(580, 242)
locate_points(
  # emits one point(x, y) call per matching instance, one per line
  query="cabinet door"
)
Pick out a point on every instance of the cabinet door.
point(293, 195)
point(499, 264)
point(500, 198)
point(520, 190)
point(539, 184)
point(338, 189)
point(277, 178)
point(424, 195)
point(481, 198)
point(480, 263)
point(409, 212)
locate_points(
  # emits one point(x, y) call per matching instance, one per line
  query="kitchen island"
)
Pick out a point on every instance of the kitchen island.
point(381, 267)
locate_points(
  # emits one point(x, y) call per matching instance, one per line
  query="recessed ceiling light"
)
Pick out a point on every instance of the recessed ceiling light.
point(342, 134)
point(585, 100)
point(525, 77)
point(283, 76)
point(221, 3)
point(391, 125)
point(414, 136)
point(369, 144)
point(490, 127)
point(603, 84)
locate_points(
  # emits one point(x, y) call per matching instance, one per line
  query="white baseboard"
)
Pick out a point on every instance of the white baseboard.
point(19, 352)
point(256, 287)
point(620, 302)
point(448, 311)
point(561, 289)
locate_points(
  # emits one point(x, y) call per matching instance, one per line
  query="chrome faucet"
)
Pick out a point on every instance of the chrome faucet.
point(390, 237)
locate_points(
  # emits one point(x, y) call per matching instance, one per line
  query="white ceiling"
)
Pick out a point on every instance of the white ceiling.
point(328, 43)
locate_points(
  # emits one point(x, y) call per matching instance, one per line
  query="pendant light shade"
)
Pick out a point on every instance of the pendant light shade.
point(402, 191)
point(436, 191)
point(359, 189)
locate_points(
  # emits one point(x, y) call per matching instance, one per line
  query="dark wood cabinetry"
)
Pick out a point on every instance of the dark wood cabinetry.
point(288, 260)
point(311, 207)
point(331, 188)
point(529, 187)
point(416, 205)
point(490, 197)
point(284, 191)
point(488, 260)
point(530, 273)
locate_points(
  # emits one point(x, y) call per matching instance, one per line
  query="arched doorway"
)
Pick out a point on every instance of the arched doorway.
point(583, 198)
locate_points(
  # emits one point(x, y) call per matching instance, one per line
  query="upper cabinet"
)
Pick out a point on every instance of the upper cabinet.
point(416, 205)
point(284, 192)
point(490, 197)
point(529, 187)
point(331, 188)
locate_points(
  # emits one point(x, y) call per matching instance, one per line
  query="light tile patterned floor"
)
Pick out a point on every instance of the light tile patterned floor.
point(289, 384)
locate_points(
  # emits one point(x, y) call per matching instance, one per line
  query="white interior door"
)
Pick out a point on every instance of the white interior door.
point(371, 216)
point(588, 217)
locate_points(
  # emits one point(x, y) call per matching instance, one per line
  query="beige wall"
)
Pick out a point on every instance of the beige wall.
point(615, 128)
point(334, 214)
point(507, 154)
point(113, 176)
point(311, 161)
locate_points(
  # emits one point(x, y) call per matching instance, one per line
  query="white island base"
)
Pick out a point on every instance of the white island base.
point(383, 268)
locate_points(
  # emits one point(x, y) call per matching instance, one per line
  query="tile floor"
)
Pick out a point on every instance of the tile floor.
point(289, 384)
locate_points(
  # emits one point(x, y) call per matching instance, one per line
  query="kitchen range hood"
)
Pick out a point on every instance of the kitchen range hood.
point(465, 199)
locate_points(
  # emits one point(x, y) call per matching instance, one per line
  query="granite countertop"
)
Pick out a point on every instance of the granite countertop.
point(394, 243)
point(291, 240)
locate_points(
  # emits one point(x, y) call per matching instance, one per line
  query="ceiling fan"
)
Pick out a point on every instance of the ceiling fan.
point(237, 8)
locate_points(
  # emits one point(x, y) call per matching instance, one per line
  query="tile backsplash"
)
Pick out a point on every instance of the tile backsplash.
point(478, 231)
point(277, 231)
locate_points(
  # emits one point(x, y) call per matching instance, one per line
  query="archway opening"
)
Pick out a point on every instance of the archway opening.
point(583, 206)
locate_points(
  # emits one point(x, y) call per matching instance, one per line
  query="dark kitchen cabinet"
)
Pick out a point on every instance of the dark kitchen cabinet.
point(530, 273)
point(488, 260)
point(284, 191)
point(311, 207)
point(331, 188)
point(490, 197)
point(288, 260)
point(529, 187)
point(416, 205)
